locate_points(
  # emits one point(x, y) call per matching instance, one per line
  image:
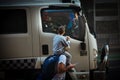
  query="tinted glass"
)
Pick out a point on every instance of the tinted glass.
point(13, 21)
point(53, 18)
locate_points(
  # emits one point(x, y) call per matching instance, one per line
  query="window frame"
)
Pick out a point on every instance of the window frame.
point(65, 8)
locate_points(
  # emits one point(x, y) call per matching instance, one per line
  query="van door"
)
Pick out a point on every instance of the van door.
point(51, 19)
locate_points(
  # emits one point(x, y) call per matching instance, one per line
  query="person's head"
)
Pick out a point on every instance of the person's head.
point(61, 30)
point(76, 15)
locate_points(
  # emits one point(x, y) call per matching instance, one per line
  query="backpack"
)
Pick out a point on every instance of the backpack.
point(49, 67)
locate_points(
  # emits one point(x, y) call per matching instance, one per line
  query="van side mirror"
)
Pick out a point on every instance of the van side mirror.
point(105, 53)
point(104, 58)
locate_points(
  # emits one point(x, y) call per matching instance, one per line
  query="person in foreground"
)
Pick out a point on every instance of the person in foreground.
point(62, 68)
point(60, 46)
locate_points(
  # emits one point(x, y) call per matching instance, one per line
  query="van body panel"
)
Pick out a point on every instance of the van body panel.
point(19, 44)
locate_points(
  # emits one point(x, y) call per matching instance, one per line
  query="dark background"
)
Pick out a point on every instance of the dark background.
point(103, 17)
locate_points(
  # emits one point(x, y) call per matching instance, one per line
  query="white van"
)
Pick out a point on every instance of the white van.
point(27, 30)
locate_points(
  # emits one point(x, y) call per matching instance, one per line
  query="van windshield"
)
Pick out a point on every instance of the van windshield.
point(53, 18)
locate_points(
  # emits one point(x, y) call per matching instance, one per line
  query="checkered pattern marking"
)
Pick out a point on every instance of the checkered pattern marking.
point(17, 64)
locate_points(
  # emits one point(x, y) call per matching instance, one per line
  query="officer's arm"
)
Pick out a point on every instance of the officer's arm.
point(62, 67)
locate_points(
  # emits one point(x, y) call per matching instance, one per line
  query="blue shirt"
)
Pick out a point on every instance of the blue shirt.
point(60, 76)
point(59, 43)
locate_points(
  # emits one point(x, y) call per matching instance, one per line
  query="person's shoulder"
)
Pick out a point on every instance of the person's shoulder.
point(62, 59)
point(56, 36)
point(63, 56)
point(61, 37)
point(74, 19)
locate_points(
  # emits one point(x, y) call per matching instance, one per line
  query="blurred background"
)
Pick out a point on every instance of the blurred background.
point(104, 16)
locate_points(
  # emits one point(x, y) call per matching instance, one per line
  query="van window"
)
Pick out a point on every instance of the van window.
point(13, 21)
point(53, 18)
